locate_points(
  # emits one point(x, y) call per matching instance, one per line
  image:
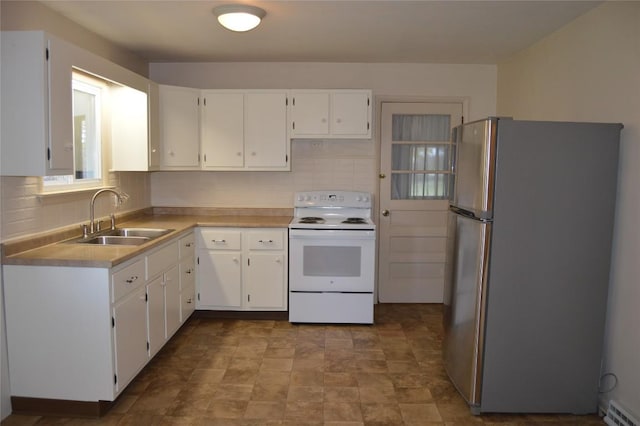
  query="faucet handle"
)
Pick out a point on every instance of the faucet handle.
point(98, 225)
point(85, 230)
point(112, 217)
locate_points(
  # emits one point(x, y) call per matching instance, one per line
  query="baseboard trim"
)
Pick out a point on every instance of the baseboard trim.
point(59, 407)
point(250, 315)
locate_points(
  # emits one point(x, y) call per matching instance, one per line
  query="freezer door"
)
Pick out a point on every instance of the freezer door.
point(464, 302)
point(475, 166)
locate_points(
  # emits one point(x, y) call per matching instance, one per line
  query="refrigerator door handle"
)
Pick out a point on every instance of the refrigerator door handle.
point(468, 214)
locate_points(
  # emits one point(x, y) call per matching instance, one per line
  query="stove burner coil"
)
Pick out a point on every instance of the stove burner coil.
point(356, 220)
point(311, 219)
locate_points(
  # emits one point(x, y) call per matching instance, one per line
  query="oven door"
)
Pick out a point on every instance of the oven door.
point(331, 260)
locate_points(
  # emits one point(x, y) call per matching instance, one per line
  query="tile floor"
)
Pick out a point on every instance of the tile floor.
point(250, 372)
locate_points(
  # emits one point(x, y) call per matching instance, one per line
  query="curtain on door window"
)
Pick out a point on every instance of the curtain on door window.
point(421, 157)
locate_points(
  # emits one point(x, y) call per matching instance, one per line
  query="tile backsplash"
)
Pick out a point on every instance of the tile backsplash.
point(24, 212)
point(316, 164)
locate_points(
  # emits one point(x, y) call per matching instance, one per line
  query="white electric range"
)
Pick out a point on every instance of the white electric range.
point(332, 258)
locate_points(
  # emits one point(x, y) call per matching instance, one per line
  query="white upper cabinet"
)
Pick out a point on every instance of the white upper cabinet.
point(37, 106)
point(129, 129)
point(222, 130)
point(233, 129)
point(337, 114)
point(36, 123)
point(179, 128)
point(265, 122)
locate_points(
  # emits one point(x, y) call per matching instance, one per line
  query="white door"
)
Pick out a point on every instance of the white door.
point(266, 130)
point(130, 336)
point(172, 300)
point(155, 314)
point(219, 280)
point(222, 130)
point(415, 183)
point(265, 285)
point(179, 128)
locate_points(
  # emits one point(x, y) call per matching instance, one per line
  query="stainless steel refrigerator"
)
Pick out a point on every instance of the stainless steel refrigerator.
point(529, 248)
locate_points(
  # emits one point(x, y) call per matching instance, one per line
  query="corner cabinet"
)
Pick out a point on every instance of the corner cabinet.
point(223, 129)
point(331, 114)
point(36, 123)
point(242, 269)
point(82, 334)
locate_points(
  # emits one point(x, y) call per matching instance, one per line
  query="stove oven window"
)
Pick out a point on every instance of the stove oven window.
point(331, 261)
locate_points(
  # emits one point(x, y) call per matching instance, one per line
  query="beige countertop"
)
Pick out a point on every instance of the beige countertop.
point(61, 253)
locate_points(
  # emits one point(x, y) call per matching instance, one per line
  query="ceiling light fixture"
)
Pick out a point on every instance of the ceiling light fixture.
point(239, 17)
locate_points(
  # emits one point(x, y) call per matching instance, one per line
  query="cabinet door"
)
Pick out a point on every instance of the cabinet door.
point(187, 296)
point(222, 130)
point(265, 281)
point(266, 141)
point(179, 129)
point(172, 300)
point(37, 126)
point(155, 315)
point(350, 113)
point(310, 113)
point(129, 129)
point(130, 336)
point(219, 279)
point(154, 125)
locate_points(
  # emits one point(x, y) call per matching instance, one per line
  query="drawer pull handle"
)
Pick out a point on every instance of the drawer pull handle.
point(265, 241)
point(189, 301)
point(188, 245)
point(218, 241)
point(132, 279)
point(188, 271)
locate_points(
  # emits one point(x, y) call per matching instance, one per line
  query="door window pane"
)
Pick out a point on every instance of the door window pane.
point(421, 156)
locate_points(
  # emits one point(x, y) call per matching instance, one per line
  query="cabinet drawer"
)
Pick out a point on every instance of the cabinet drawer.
point(161, 259)
point(215, 239)
point(266, 240)
point(187, 272)
point(187, 246)
point(127, 279)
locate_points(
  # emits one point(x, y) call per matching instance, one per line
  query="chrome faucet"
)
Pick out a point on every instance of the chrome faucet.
point(120, 196)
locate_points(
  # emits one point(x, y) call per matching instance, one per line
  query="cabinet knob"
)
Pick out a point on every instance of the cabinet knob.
point(188, 244)
point(324, 120)
point(188, 271)
point(189, 300)
point(171, 153)
point(253, 153)
point(235, 259)
point(239, 154)
point(338, 120)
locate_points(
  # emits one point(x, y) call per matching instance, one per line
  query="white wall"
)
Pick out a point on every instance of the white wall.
point(590, 71)
point(343, 165)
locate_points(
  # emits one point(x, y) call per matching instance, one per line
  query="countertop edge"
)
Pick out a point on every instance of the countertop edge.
point(61, 253)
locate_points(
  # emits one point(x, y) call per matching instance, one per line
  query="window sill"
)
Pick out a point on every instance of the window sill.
point(70, 192)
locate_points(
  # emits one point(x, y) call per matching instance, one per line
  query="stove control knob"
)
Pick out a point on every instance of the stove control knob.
point(307, 198)
point(358, 198)
point(365, 199)
point(300, 197)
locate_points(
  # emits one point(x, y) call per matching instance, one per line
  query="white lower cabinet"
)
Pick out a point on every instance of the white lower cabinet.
point(242, 269)
point(80, 333)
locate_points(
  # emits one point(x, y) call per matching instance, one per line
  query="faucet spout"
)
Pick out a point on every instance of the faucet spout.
point(119, 196)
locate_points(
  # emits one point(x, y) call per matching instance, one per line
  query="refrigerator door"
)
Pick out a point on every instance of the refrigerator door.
point(475, 167)
point(466, 268)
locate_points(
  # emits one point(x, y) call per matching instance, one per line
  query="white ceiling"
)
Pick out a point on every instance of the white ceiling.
point(327, 31)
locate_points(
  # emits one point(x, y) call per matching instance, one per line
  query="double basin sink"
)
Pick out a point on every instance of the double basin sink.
point(123, 236)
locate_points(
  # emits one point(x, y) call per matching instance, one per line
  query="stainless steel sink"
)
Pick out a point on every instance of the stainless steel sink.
point(104, 240)
point(138, 232)
point(122, 236)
